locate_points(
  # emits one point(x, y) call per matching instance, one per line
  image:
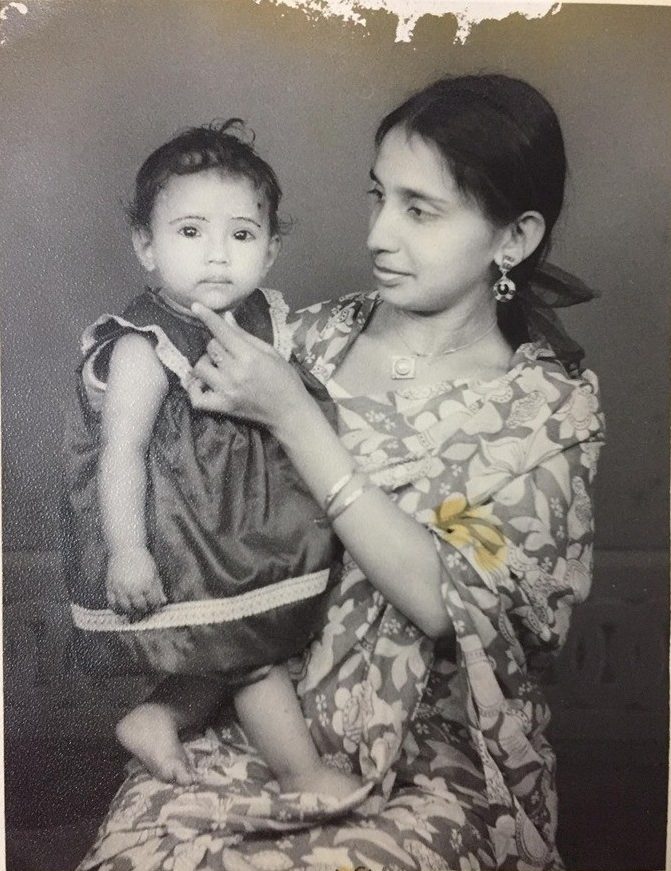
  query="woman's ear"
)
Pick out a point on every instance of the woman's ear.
point(524, 236)
point(142, 246)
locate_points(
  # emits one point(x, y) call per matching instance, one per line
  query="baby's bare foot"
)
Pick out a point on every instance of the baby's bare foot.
point(149, 732)
point(323, 780)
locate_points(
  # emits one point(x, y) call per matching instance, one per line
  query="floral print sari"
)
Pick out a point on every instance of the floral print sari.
point(448, 737)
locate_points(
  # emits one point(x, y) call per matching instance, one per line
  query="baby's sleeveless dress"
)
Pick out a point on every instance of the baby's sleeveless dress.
point(229, 522)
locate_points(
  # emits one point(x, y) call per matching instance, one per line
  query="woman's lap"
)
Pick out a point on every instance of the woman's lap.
point(434, 818)
point(435, 803)
point(416, 829)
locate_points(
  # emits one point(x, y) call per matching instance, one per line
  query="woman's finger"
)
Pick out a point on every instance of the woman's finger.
point(221, 329)
point(209, 374)
point(205, 399)
point(226, 330)
point(216, 352)
point(209, 391)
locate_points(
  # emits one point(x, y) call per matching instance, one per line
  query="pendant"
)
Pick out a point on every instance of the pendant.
point(403, 368)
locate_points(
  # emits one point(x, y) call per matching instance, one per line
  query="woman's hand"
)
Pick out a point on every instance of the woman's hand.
point(243, 376)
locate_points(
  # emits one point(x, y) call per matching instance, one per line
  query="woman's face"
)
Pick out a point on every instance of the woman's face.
point(431, 246)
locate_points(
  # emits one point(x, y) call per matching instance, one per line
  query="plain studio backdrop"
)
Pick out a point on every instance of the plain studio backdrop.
point(90, 88)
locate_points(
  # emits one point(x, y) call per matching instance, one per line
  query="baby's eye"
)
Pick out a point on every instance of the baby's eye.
point(243, 235)
point(189, 232)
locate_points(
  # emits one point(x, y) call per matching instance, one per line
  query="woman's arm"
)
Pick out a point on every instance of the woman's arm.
point(395, 552)
point(136, 387)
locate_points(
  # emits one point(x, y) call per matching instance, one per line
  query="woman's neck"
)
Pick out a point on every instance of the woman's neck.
point(431, 334)
point(380, 362)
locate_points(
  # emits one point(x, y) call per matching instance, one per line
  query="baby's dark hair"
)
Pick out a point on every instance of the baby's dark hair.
point(224, 145)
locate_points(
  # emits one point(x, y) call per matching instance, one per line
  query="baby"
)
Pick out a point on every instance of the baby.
point(189, 538)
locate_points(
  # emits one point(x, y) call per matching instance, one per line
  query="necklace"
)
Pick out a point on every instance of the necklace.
point(404, 366)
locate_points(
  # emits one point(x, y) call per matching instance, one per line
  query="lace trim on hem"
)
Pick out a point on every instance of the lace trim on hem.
point(206, 611)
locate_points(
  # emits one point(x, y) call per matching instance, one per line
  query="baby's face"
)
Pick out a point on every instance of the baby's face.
point(210, 240)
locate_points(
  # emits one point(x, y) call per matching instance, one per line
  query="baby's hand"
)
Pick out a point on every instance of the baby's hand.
point(133, 585)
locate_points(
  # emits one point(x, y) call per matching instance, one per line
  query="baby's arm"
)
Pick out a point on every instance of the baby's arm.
point(136, 387)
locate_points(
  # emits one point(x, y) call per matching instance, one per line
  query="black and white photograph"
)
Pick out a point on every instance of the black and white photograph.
point(335, 435)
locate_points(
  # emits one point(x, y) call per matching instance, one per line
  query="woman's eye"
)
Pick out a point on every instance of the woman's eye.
point(243, 235)
point(376, 195)
point(189, 232)
point(419, 214)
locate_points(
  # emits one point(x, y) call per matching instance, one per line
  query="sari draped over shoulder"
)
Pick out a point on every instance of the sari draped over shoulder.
point(449, 737)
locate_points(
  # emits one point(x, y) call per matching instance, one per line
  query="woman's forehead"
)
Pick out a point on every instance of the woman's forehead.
point(407, 160)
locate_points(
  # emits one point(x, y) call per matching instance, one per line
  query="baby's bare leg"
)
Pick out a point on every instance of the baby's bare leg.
point(271, 716)
point(151, 730)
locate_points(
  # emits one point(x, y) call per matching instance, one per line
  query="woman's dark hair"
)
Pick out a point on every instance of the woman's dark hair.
point(502, 142)
point(227, 146)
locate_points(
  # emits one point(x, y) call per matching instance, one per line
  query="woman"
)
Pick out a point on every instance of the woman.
point(459, 483)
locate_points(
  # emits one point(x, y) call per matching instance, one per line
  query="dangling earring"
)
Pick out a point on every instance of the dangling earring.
point(504, 288)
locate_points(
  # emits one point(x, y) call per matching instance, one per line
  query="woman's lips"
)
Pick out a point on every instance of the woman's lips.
point(388, 276)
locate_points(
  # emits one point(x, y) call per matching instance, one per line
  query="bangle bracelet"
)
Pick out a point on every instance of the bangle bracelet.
point(351, 499)
point(337, 488)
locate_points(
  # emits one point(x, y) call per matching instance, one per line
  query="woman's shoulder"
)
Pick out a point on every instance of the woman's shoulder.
point(340, 309)
point(570, 396)
point(542, 359)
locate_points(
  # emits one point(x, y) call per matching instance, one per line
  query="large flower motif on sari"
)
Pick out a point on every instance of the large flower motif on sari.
point(474, 530)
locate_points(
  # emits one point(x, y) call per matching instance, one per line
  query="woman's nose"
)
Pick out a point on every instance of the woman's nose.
point(382, 230)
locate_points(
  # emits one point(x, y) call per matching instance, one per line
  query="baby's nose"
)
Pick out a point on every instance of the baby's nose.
point(218, 251)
